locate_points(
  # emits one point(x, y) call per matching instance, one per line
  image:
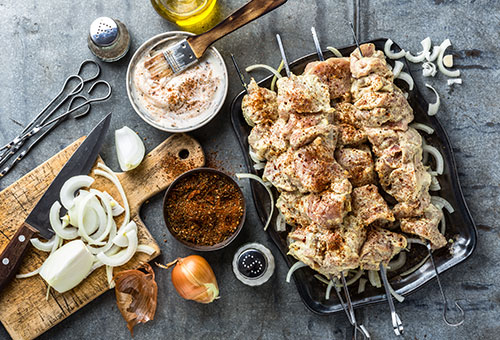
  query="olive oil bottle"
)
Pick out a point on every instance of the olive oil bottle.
point(195, 16)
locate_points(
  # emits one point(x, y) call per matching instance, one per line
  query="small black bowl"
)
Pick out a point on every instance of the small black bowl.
point(196, 246)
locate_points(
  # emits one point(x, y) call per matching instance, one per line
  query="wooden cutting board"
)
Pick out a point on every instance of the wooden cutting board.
point(23, 309)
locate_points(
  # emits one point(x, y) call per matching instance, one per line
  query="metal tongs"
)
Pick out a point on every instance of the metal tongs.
point(43, 120)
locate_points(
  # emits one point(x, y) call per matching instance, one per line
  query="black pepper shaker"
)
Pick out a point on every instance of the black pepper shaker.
point(109, 39)
point(253, 264)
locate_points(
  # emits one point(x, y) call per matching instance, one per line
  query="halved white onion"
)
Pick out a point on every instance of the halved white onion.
point(442, 68)
point(67, 194)
point(129, 148)
point(392, 55)
point(433, 107)
point(268, 189)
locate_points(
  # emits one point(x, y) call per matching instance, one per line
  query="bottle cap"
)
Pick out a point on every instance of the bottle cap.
point(103, 31)
point(253, 264)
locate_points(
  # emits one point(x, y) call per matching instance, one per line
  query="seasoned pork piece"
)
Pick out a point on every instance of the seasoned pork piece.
point(372, 61)
point(426, 226)
point(328, 251)
point(369, 205)
point(259, 105)
point(371, 83)
point(302, 129)
point(327, 209)
point(412, 208)
point(268, 140)
point(381, 246)
point(302, 94)
point(334, 72)
point(359, 164)
point(407, 183)
point(280, 172)
point(350, 135)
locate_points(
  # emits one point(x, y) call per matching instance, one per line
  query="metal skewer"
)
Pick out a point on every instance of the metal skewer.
point(317, 44)
point(443, 296)
point(355, 38)
point(397, 325)
point(356, 14)
point(240, 74)
point(283, 55)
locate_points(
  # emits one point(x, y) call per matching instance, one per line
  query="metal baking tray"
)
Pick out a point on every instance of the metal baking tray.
point(460, 226)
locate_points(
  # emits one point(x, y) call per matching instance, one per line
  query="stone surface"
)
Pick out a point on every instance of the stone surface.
point(44, 42)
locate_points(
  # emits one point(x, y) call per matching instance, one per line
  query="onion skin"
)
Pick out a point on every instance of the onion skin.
point(194, 279)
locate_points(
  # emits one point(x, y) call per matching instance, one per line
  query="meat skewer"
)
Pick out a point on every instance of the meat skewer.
point(240, 74)
point(397, 324)
point(283, 55)
point(350, 309)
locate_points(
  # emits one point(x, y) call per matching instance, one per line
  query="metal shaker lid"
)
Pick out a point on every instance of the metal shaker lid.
point(103, 31)
point(253, 264)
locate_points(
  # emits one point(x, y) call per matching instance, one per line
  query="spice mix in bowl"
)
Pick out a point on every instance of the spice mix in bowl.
point(204, 209)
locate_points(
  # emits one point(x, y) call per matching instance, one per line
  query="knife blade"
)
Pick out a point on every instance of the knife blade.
point(37, 222)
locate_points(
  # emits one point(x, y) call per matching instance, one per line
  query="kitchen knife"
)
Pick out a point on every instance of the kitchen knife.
point(80, 163)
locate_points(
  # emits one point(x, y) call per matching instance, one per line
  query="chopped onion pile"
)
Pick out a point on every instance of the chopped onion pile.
point(89, 221)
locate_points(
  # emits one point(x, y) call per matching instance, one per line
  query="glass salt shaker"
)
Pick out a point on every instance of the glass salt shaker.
point(109, 39)
point(253, 264)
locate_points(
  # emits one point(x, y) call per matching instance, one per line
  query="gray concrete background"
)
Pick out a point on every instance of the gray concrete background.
point(44, 41)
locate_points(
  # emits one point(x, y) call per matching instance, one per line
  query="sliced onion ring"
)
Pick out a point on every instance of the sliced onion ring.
point(334, 51)
point(398, 66)
point(437, 156)
point(407, 78)
point(433, 107)
point(442, 68)
point(124, 255)
point(422, 55)
point(58, 226)
point(67, 194)
point(293, 268)
point(392, 55)
point(266, 67)
point(419, 126)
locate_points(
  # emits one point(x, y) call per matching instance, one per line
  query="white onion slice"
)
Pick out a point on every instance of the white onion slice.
point(362, 285)
point(293, 268)
point(109, 174)
point(398, 263)
point(407, 78)
point(271, 199)
point(416, 267)
point(129, 148)
point(442, 203)
point(109, 243)
point(422, 55)
point(429, 69)
point(44, 246)
point(81, 213)
point(435, 52)
point(329, 289)
point(259, 166)
point(455, 81)
point(109, 276)
point(280, 222)
point(398, 66)
point(392, 55)
point(448, 60)
point(398, 297)
point(321, 279)
point(433, 107)
point(435, 186)
point(124, 255)
point(442, 229)
point(334, 51)
point(67, 194)
point(121, 239)
point(115, 206)
point(30, 274)
point(437, 156)
point(453, 74)
point(144, 248)
point(374, 278)
point(419, 126)
point(58, 226)
point(266, 67)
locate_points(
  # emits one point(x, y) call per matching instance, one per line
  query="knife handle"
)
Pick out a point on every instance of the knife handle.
point(249, 12)
point(11, 257)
